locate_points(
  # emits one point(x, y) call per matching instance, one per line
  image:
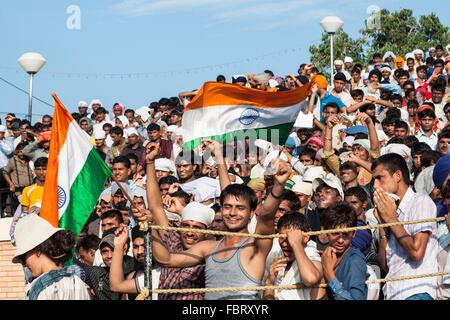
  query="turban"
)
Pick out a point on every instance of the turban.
point(441, 170)
point(198, 212)
point(364, 143)
point(397, 60)
point(398, 148)
point(318, 141)
point(321, 81)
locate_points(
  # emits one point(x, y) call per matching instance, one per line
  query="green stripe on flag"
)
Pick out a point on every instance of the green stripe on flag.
point(84, 192)
point(284, 130)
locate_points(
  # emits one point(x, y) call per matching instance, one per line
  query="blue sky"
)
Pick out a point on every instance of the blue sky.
point(174, 45)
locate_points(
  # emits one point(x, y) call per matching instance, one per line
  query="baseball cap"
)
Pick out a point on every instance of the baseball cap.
point(330, 180)
point(356, 129)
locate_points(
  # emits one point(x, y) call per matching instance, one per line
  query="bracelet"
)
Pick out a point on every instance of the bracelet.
point(326, 138)
point(271, 192)
point(384, 236)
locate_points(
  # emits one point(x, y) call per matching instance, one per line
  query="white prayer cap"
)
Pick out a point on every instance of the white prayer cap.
point(313, 172)
point(397, 148)
point(348, 140)
point(389, 53)
point(338, 62)
point(303, 187)
point(99, 134)
point(348, 59)
point(131, 131)
point(448, 48)
point(172, 128)
point(140, 192)
point(164, 164)
point(386, 68)
point(143, 113)
point(418, 51)
point(195, 211)
point(409, 55)
point(95, 101)
point(273, 83)
point(82, 104)
point(204, 192)
point(124, 120)
point(365, 76)
point(191, 187)
point(179, 131)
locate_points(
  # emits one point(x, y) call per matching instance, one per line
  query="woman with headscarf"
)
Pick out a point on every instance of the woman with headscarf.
point(44, 249)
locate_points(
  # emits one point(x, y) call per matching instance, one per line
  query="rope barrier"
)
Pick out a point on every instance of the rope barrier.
point(145, 226)
point(289, 287)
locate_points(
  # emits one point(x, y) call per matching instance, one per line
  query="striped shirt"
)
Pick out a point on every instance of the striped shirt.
point(414, 206)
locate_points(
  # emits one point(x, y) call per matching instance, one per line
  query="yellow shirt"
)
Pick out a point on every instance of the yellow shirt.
point(32, 195)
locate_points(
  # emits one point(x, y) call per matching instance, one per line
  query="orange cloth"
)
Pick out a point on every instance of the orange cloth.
point(417, 125)
point(321, 82)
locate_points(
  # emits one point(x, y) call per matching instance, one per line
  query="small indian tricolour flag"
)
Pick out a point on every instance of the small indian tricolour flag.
point(225, 111)
point(76, 174)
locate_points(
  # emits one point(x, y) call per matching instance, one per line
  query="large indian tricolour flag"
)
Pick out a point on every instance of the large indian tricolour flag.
point(76, 174)
point(224, 111)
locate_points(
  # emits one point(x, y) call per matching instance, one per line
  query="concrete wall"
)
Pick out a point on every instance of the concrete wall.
point(12, 278)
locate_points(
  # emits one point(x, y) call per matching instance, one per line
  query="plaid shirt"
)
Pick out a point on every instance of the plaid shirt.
point(180, 278)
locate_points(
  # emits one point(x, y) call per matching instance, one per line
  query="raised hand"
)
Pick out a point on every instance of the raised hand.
point(121, 236)
point(277, 265)
point(152, 149)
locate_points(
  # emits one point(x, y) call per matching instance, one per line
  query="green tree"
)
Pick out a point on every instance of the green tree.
point(343, 45)
point(399, 32)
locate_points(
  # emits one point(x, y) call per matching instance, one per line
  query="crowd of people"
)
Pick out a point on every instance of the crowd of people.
point(377, 151)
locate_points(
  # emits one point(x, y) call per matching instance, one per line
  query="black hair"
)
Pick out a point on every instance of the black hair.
point(356, 69)
point(153, 127)
point(412, 104)
point(116, 130)
point(401, 124)
point(113, 213)
point(420, 148)
point(269, 72)
point(408, 82)
point(332, 105)
point(438, 87)
point(410, 59)
point(396, 96)
point(357, 192)
point(238, 191)
point(396, 140)
point(445, 133)
point(100, 110)
point(136, 232)
point(21, 145)
point(393, 162)
point(308, 152)
point(430, 157)
point(221, 77)
point(122, 159)
point(292, 199)
point(58, 247)
point(429, 60)
point(438, 61)
point(163, 101)
point(340, 76)
point(89, 241)
point(132, 156)
point(402, 73)
point(41, 162)
point(129, 110)
point(348, 165)
point(410, 140)
point(339, 214)
point(182, 194)
point(422, 67)
point(190, 157)
point(294, 219)
point(426, 113)
point(167, 180)
point(108, 125)
point(377, 73)
point(357, 93)
point(446, 106)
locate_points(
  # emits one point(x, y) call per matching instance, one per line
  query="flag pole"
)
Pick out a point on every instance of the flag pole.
point(147, 247)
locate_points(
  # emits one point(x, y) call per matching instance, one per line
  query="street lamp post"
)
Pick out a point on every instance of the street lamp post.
point(31, 62)
point(331, 25)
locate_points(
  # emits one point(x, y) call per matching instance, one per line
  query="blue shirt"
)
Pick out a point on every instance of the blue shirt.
point(328, 97)
point(363, 238)
point(351, 275)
